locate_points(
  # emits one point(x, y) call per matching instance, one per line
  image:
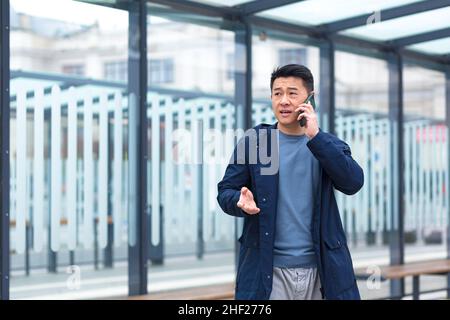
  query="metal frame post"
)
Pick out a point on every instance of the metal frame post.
point(138, 208)
point(108, 252)
point(4, 147)
point(447, 121)
point(243, 75)
point(242, 92)
point(395, 69)
point(327, 89)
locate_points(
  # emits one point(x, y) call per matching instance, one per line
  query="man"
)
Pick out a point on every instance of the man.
point(293, 245)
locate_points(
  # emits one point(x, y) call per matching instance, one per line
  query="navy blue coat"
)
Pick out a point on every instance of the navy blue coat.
point(338, 170)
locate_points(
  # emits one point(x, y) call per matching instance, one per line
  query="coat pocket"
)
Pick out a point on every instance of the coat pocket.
point(338, 264)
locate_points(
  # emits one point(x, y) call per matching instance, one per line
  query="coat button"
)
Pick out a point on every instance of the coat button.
point(268, 277)
point(267, 233)
point(338, 243)
point(263, 199)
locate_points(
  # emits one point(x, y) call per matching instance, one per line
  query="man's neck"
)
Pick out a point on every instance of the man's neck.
point(296, 130)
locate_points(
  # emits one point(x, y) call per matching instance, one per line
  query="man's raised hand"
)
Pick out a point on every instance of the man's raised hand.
point(246, 202)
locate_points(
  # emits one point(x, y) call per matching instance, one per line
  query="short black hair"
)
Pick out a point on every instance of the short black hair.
point(294, 70)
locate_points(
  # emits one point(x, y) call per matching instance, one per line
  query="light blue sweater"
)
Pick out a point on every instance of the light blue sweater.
point(298, 181)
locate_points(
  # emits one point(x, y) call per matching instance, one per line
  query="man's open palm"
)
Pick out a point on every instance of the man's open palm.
point(246, 202)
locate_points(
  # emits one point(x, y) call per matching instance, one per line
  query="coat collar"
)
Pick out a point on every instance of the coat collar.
point(273, 126)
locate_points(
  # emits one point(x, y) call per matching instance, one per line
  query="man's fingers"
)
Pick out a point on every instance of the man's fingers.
point(304, 109)
point(304, 106)
point(246, 193)
point(303, 115)
point(309, 107)
point(248, 208)
point(253, 210)
point(246, 201)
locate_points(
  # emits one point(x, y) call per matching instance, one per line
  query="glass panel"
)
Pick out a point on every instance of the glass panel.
point(190, 108)
point(426, 175)
point(441, 46)
point(323, 11)
point(405, 26)
point(367, 93)
point(68, 136)
point(362, 121)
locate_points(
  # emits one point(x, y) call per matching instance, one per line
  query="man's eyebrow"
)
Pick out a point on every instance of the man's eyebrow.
point(290, 88)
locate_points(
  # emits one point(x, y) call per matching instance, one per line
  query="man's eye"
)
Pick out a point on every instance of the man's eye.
point(277, 94)
point(293, 93)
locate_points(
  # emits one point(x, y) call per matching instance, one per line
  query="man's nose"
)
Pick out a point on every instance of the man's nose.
point(284, 99)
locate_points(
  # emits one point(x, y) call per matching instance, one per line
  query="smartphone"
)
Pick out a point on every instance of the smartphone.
point(310, 99)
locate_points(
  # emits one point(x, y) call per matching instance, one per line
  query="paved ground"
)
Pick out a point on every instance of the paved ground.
point(187, 271)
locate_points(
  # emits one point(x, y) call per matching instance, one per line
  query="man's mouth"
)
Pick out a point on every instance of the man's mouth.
point(285, 112)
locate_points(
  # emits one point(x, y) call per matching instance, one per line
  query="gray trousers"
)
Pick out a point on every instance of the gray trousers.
point(295, 284)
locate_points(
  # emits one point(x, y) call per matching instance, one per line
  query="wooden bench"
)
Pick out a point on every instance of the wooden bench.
point(212, 292)
point(413, 269)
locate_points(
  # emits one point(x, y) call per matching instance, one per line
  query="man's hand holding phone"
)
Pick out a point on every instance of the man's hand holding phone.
point(247, 202)
point(308, 117)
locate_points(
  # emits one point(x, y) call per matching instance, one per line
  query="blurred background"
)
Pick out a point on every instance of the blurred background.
point(95, 84)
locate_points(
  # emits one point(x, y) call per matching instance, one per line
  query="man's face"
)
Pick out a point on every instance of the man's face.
point(287, 94)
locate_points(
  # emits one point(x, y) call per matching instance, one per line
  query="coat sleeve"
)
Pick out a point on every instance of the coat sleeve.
point(335, 157)
point(237, 175)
